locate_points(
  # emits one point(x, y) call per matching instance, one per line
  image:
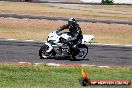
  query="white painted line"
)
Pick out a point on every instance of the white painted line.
point(28, 40)
point(117, 44)
point(11, 39)
point(120, 45)
point(85, 65)
point(53, 64)
point(92, 65)
point(38, 63)
point(104, 66)
point(24, 63)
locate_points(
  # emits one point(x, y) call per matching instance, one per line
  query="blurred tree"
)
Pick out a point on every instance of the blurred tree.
point(107, 1)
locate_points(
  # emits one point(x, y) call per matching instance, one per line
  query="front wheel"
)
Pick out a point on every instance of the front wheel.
point(83, 50)
point(42, 52)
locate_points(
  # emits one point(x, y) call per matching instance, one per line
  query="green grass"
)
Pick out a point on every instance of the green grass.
point(12, 76)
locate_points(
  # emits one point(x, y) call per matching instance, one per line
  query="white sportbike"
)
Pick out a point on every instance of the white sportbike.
point(53, 47)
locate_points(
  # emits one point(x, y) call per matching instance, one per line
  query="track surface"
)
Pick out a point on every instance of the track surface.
point(16, 51)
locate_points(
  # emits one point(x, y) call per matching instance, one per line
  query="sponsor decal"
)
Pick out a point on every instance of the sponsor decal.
point(86, 81)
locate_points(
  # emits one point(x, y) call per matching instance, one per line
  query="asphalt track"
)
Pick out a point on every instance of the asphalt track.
point(18, 51)
point(64, 19)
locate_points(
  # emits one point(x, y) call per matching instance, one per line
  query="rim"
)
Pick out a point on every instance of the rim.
point(43, 54)
point(82, 53)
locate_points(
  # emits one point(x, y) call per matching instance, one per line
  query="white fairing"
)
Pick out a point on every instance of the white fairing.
point(87, 38)
point(65, 36)
point(55, 35)
point(50, 47)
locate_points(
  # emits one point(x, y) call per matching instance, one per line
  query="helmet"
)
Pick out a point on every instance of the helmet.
point(72, 22)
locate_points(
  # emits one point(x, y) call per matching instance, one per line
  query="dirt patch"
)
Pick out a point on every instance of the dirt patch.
point(71, 11)
point(39, 30)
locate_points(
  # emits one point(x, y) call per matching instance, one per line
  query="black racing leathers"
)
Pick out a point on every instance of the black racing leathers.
point(75, 33)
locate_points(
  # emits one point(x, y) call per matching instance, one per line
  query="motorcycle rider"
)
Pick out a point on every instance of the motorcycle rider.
point(74, 31)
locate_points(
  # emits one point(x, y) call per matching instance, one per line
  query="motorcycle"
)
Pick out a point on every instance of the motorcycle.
point(53, 47)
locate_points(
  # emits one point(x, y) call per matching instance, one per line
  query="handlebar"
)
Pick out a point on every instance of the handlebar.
point(58, 32)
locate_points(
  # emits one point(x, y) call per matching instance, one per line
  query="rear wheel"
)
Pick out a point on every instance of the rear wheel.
point(83, 50)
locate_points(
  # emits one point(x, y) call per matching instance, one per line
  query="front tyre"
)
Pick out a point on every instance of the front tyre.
point(83, 50)
point(42, 52)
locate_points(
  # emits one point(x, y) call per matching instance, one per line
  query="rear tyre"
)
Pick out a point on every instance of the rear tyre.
point(83, 50)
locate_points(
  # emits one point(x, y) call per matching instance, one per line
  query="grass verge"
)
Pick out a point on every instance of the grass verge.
point(12, 76)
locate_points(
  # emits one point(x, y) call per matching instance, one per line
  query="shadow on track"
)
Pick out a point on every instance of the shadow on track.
point(65, 58)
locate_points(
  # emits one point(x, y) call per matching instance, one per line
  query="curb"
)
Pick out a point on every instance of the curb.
point(24, 63)
point(59, 65)
point(74, 65)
